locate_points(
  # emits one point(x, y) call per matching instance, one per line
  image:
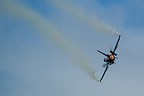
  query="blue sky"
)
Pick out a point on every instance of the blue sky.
point(48, 47)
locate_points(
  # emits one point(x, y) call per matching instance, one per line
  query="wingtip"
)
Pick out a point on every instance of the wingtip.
point(98, 81)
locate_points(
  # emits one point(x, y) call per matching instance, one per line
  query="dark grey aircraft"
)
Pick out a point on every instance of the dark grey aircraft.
point(110, 57)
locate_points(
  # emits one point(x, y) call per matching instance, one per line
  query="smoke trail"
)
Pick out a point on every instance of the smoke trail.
point(13, 8)
point(80, 13)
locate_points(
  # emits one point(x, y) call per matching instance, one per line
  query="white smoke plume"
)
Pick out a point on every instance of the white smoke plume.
point(81, 14)
point(19, 11)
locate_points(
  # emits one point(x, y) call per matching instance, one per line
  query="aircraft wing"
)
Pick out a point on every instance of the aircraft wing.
point(104, 72)
point(102, 53)
point(116, 44)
